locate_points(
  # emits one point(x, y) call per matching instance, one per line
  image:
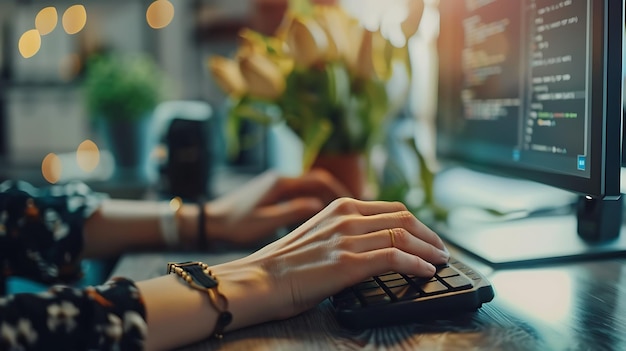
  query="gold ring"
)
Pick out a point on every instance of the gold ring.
point(393, 238)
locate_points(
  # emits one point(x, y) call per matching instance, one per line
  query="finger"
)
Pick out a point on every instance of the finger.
point(383, 220)
point(398, 238)
point(316, 183)
point(401, 219)
point(392, 259)
point(365, 208)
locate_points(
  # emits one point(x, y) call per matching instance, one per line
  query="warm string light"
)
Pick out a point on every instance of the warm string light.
point(51, 168)
point(46, 20)
point(87, 159)
point(30, 43)
point(74, 20)
point(159, 14)
point(88, 156)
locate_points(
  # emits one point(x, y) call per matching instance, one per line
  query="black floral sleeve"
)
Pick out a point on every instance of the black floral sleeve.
point(106, 317)
point(41, 239)
point(41, 230)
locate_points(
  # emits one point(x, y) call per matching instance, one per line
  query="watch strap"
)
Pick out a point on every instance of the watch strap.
point(199, 276)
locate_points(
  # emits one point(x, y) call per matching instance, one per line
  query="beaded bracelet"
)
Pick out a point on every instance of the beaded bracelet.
point(199, 276)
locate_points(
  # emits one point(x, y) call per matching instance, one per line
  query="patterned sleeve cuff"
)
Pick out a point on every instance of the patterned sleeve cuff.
point(106, 317)
point(120, 319)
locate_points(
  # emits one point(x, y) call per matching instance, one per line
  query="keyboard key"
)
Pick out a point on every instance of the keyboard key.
point(433, 287)
point(447, 272)
point(406, 292)
point(366, 293)
point(396, 283)
point(391, 276)
point(458, 282)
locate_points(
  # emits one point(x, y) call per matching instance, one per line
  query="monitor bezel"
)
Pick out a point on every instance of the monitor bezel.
point(606, 112)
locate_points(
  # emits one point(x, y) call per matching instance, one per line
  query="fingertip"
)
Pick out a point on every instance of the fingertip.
point(421, 268)
point(430, 268)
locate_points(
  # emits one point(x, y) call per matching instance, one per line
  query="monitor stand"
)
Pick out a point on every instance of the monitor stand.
point(590, 234)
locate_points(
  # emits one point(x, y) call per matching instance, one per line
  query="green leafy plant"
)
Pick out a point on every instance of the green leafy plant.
point(122, 87)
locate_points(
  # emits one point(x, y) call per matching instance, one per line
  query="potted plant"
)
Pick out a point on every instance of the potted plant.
point(121, 92)
point(325, 76)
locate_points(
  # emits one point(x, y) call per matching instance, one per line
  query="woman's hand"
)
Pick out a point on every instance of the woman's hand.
point(267, 203)
point(342, 245)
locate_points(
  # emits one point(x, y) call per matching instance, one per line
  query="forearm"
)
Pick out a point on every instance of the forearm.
point(122, 225)
point(179, 315)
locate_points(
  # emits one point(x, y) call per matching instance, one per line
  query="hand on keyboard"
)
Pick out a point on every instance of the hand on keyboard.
point(393, 298)
point(345, 243)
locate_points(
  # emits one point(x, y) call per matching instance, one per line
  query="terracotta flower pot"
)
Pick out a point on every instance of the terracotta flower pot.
point(349, 169)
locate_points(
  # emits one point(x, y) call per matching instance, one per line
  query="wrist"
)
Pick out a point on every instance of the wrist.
point(188, 224)
point(245, 284)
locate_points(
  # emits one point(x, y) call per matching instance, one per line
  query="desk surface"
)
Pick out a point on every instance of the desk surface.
point(576, 306)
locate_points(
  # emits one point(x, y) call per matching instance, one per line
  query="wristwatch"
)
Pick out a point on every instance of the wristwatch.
point(199, 276)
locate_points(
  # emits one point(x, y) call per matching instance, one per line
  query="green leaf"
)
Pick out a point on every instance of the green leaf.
point(338, 84)
point(427, 177)
point(254, 113)
point(232, 126)
point(313, 138)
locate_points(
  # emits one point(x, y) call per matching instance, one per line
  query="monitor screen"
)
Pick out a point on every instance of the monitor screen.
point(533, 88)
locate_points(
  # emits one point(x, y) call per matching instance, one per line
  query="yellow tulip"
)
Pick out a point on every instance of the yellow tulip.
point(285, 24)
point(414, 17)
point(274, 48)
point(382, 55)
point(333, 21)
point(355, 34)
point(307, 41)
point(364, 66)
point(263, 78)
point(228, 76)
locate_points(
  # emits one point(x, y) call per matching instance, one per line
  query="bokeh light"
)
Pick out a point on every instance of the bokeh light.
point(30, 43)
point(159, 14)
point(74, 19)
point(46, 20)
point(88, 156)
point(51, 168)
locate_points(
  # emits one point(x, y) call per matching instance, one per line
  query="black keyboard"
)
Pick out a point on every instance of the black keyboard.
point(394, 298)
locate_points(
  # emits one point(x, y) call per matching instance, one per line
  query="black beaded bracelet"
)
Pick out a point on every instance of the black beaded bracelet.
point(199, 276)
point(202, 239)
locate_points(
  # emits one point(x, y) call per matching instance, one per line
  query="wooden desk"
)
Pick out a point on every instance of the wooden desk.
point(579, 306)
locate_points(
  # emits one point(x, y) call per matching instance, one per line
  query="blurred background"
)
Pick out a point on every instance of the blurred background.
point(55, 126)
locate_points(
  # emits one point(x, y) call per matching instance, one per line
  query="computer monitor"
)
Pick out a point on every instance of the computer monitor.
point(533, 89)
